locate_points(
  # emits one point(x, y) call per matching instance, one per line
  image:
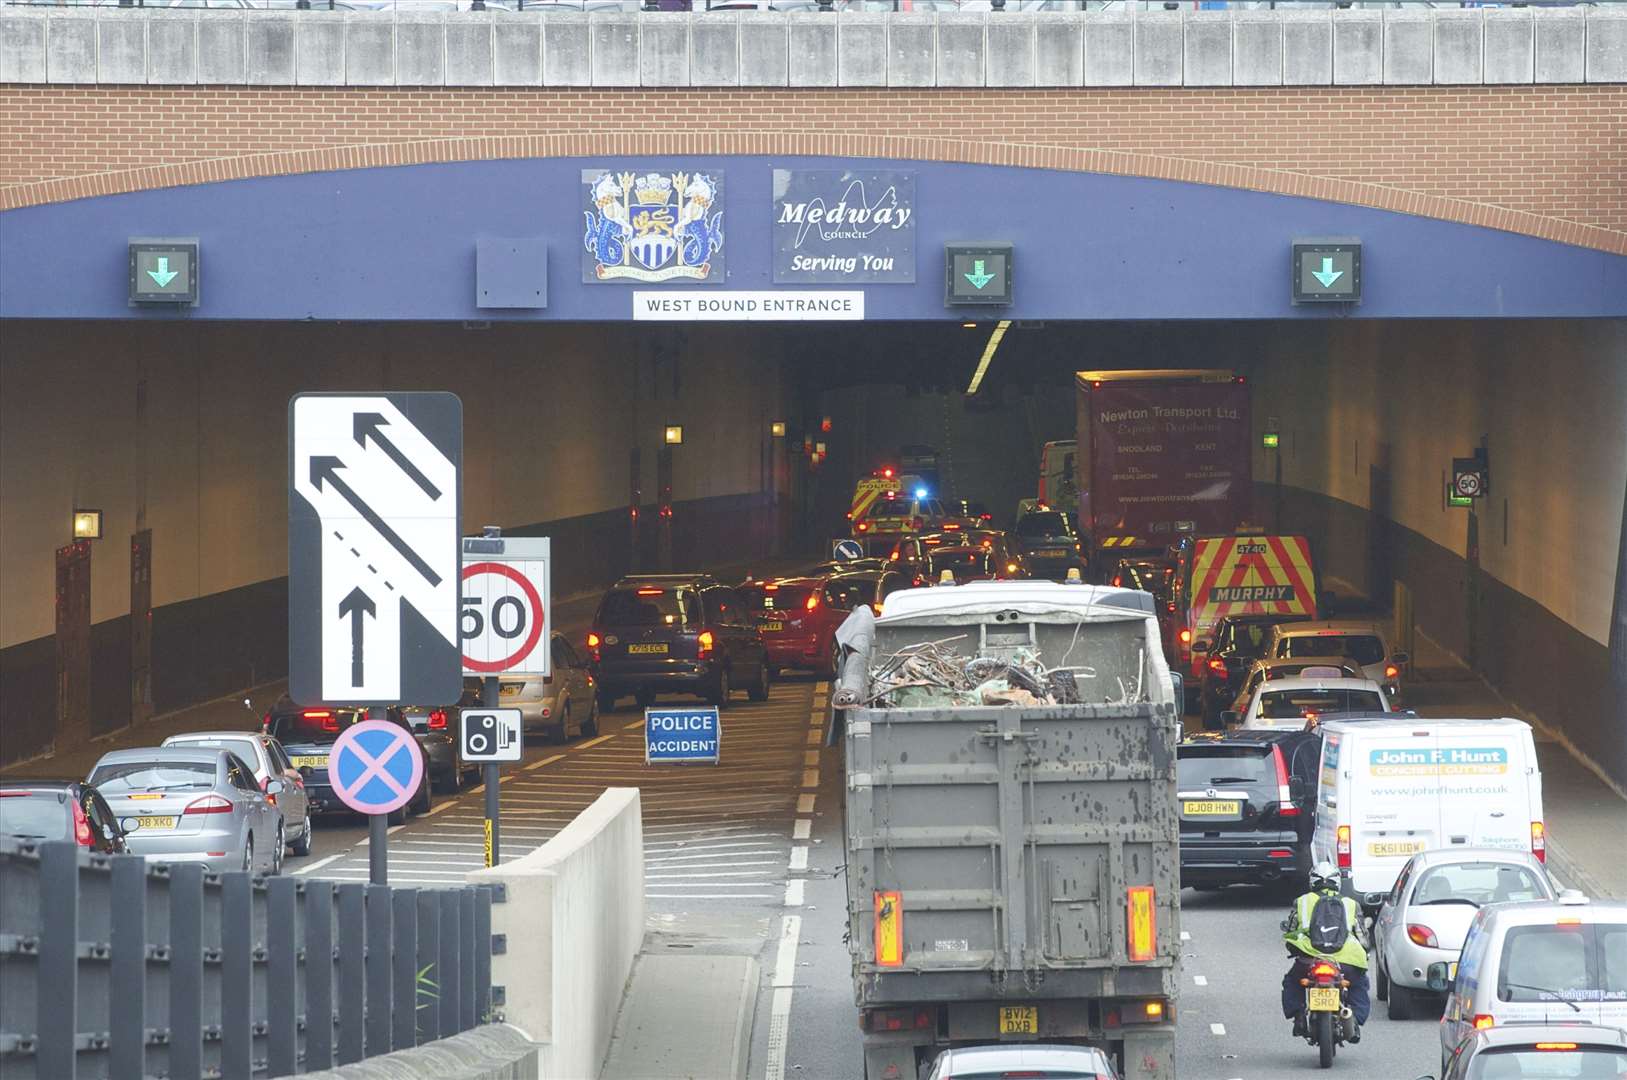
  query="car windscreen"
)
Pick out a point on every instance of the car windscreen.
point(1043, 524)
point(1199, 767)
point(1362, 648)
point(37, 815)
point(776, 597)
point(1564, 961)
point(1476, 884)
point(879, 547)
point(310, 725)
point(1287, 704)
point(1549, 1061)
point(127, 776)
point(647, 605)
point(960, 562)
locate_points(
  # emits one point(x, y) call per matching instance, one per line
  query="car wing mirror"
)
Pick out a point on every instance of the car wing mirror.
point(1400, 658)
point(1439, 980)
point(1177, 686)
point(274, 786)
point(1200, 646)
point(1231, 717)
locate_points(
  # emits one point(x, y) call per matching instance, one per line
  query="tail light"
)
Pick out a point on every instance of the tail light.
point(813, 601)
point(1118, 582)
point(1011, 568)
point(329, 721)
point(437, 720)
point(1391, 671)
point(265, 723)
point(1567, 1046)
point(594, 641)
point(1285, 794)
point(1185, 635)
point(1217, 665)
point(1342, 847)
point(850, 515)
point(81, 826)
point(1324, 970)
point(649, 592)
point(209, 804)
point(1419, 934)
point(265, 788)
point(1483, 1021)
point(1539, 841)
point(704, 643)
point(863, 526)
point(985, 517)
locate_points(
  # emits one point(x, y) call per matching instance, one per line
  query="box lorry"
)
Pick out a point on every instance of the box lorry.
point(1012, 869)
point(1159, 454)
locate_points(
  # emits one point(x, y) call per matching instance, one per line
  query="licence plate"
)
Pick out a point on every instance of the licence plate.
point(310, 761)
point(1212, 808)
point(155, 822)
point(1384, 848)
point(648, 649)
point(1322, 999)
point(510, 689)
point(773, 626)
point(1019, 1020)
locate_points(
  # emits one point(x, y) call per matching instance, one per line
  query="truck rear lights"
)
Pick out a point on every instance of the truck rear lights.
point(1142, 943)
point(1539, 841)
point(1342, 847)
point(1419, 934)
point(209, 804)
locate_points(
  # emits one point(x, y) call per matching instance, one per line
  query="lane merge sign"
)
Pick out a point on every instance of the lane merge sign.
point(682, 735)
point(504, 606)
point(374, 502)
point(375, 767)
point(491, 735)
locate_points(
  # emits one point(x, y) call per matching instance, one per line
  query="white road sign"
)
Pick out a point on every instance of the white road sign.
point(504, 608)
point(373, 557)
point(491, 735)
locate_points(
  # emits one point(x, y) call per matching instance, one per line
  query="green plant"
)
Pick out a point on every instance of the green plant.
point(428, 992)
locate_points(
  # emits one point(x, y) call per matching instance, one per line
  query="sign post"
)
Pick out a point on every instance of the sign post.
point(505, 608)
point(376, 768)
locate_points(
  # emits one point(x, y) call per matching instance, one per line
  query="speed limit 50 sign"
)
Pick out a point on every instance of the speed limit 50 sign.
point(504, 606)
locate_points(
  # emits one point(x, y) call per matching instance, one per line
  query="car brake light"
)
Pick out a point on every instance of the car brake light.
point(1216, 664)
point(437, 720)
point(1391, 671)
point(1539, 841)
point(1186, 636)
point(1342, 847)
point(704, 641)
point(593, 640)
point(209, 804)
point(81, 826)
point(863, 526)
point(649, 592)
point(1556, 1046)
point(1482, 1021)
point(1419, 934)
point(1285, 794)
point(813, 601)
point(329, 721)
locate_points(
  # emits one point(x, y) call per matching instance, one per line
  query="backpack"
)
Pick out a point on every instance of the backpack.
point(1329, 927)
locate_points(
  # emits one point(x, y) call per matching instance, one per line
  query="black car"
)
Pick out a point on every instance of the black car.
point(1238, 641)
point(308, 734)
point(1247, 802)
point(676, 633)
point(1048, 544)
point(41, 811)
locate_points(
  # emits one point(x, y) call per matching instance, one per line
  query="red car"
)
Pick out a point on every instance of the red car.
point(798, 618)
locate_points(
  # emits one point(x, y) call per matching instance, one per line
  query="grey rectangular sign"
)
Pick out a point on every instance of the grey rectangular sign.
point(1327, 269)
point(841, 227)
point(652, 225)
point(163, 271)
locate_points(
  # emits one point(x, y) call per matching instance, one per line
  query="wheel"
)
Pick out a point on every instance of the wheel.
point(562, 733)
point(1400, 1002)
point(1325, 1046)
point(302, 846)
point(396, 817)
point(590, 726)
point(720, 697)
point(248, 854)
point(606, 700)
point(277, 850)
point(645, 698)
point(1381, 980)
point(450, 782)
point(426, 800)
point(759, 690)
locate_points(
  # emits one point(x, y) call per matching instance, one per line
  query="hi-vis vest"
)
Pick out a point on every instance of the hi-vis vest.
point(1352, 952)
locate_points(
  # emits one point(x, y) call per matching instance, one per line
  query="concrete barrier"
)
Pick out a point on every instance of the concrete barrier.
point(492, 1052)
point(573, 922)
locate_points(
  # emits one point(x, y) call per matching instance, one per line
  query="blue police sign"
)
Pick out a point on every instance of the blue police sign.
point(375, 767)
point(679, 735)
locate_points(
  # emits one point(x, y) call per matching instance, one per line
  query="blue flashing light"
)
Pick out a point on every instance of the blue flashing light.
point(920, 493)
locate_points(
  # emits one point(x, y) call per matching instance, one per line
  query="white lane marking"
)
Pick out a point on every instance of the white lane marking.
point(320, 863)
point(545, 761)
point(1200, 980)
point(779, 1019)
point(810, 778)
point(678, 847)
point(805, 804)
point(690, 861)
point(1185, 936)
point(593, 742)
point(1217, 1029)
point(713, 875)
point(802, 829)
point(707, 896)
point(793, 892)
point(799, 859)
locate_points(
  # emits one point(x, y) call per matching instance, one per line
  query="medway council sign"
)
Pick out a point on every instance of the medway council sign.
point(837, 227)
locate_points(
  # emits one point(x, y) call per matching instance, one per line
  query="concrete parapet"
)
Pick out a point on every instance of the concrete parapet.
point(492, 1052)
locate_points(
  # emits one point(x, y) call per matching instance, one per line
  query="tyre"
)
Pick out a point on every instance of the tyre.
point(1400, 1002)
point(426, 800)
point(759, 690)
point(1381, 981)
point(723, 690)
point(606, 700)
point(450, 782)
point(1325, 1046)
point(396, 817)
point(302, 846)
point(590, 726)
point(561, 734)
point(277, 850)
point(248, 854)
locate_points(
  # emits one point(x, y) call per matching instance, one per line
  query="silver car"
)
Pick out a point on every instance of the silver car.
point(1024, 1059)
point(266, 757)
point(1430, 907)
point(563, 704)
point(199, 805)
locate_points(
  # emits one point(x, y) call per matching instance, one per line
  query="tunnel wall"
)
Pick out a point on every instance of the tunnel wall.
point(1371, 416)
point(182, 429)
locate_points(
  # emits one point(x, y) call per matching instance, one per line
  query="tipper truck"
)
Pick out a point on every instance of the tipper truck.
point(1013, 873)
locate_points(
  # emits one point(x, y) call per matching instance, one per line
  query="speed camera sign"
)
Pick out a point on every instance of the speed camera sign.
point(490, 735)
point(503, 606)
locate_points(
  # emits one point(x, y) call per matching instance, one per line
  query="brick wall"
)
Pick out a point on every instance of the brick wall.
point(1548, 161)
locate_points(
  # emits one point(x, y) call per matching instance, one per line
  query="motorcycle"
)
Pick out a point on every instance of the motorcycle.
point(1328, 1018)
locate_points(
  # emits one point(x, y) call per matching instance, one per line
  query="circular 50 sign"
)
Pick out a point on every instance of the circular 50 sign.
point(502, 618)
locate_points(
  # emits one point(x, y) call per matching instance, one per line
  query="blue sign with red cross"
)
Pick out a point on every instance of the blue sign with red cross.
point(375, 767)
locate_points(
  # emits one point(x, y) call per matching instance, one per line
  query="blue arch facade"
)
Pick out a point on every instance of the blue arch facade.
point(399, 244)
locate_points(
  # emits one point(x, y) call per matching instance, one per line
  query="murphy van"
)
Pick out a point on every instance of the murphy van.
point(1389, 789)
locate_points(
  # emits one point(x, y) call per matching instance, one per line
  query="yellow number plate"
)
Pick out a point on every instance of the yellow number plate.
point(155, 823)
point(1019, 1020)
point(654, 649)
point(310, 761)
point(1380, 849)
point(510, 689)
point(1212, 808)
point(1322, 999)
point(773, 626)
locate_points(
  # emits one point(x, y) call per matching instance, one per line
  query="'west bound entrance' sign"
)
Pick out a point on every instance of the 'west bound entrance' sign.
point(836, 227)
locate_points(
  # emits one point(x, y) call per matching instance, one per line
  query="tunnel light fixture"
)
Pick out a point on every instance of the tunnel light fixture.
point(777, 429)
point(87, 524)
point(674, 435)
point(1000, 329)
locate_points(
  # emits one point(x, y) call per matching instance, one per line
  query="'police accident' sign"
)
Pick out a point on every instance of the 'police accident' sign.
point(679, 735)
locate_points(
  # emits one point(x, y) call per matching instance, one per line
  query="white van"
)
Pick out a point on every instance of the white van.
point(1392, 788)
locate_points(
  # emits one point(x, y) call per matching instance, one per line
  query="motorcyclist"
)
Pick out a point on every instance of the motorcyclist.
point(1351, 956)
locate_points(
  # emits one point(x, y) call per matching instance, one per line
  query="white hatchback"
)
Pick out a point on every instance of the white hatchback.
point(1286, 704)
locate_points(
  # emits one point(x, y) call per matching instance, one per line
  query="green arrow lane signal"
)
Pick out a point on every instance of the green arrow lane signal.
point(978, 277)
point(163, 275)
point(1327, 275)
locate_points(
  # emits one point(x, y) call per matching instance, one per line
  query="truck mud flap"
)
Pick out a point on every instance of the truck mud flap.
point(1149, 1055)
point(893, 1061)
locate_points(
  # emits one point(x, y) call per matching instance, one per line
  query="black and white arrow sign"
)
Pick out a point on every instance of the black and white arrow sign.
point(373, 548)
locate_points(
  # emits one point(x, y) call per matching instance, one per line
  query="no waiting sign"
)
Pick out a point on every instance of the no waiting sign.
point(505, 606)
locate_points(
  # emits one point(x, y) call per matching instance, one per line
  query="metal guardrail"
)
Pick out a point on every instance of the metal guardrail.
point(114, 967)
point(881, 6)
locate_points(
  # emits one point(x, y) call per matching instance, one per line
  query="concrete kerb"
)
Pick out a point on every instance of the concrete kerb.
point(573, 921)
point(492, 1052)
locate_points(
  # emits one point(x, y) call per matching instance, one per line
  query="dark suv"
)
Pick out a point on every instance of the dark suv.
point(676, 633)
point(307, 735)
point(1247, 807)
point(1239, 640)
